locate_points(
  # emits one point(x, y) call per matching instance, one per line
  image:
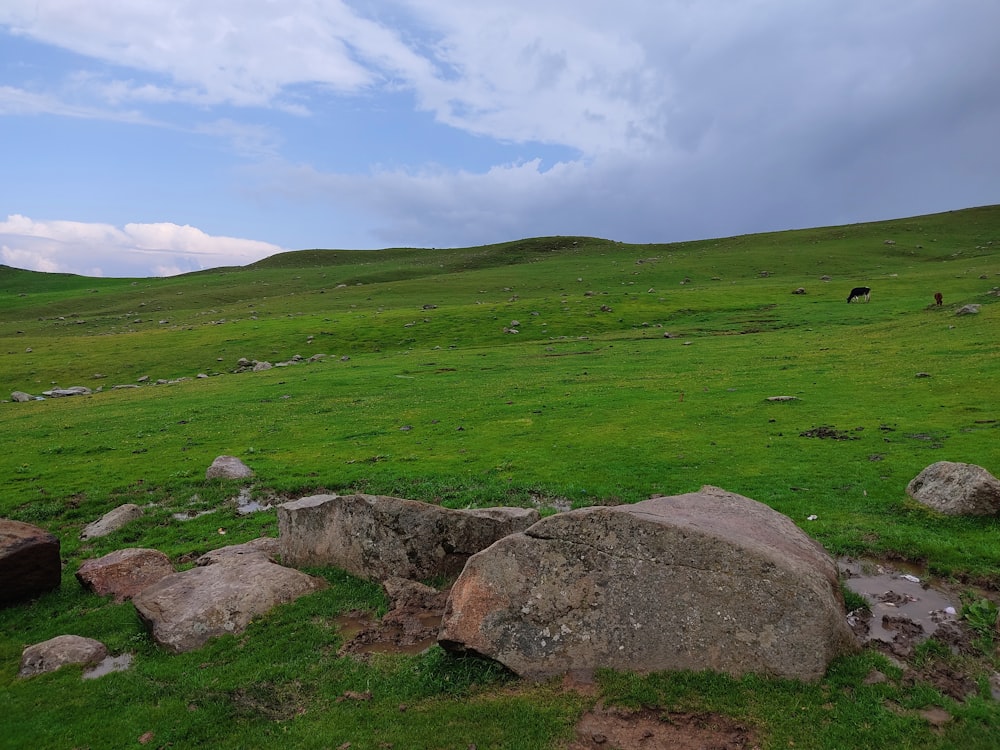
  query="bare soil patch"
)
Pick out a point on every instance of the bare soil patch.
point(827, 432)
point(620, 729)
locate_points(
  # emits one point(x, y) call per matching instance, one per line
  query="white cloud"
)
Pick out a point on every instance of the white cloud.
point(237, 51)
point(513, 73)
point(94, 249)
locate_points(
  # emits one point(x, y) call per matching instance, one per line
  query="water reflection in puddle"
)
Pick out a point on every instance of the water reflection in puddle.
point(109, 664)
point(363, 634)
point(246, 504)
point(893, 593)
point(187, 516)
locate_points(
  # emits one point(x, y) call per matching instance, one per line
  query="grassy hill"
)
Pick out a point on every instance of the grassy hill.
point(565, 369)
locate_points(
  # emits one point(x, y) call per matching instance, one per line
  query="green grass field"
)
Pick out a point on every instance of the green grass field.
point(562, 369)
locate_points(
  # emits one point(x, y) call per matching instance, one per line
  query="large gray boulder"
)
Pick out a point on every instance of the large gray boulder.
point(124, 572)
point(29, 561)
point(111, 521)
point(57, 652)
point(184, 610)
point(956, 489)
point(376, 537)
point(707, 580)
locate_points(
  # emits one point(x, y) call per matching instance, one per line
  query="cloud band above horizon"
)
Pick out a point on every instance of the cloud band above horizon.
point(140, 250)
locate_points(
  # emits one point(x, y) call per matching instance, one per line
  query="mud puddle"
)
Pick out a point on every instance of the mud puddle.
point(411, 625)
point(903, 602)
point(108, 665)
point(363, 634)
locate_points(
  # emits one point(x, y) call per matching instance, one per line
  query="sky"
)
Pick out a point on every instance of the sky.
point(155, 137)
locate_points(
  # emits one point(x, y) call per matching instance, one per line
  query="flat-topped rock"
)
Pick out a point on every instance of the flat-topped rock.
point(377, 537)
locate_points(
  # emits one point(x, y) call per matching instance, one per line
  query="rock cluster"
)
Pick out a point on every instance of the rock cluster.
point(221, 595)
point(242, 365)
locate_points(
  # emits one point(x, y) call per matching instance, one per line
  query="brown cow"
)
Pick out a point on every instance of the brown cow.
point(939, 298)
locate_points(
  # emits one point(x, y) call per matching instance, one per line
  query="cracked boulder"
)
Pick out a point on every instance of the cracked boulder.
point(377, 537)
point(709, 580)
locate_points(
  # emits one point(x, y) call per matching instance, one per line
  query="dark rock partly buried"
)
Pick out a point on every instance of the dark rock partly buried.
point(29, 561)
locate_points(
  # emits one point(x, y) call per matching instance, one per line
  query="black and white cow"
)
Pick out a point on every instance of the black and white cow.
point(858, 293)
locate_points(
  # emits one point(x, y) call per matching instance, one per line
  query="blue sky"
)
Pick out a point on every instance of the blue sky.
point(165, 136)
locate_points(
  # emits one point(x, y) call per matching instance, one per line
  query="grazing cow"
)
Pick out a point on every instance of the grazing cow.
point(939, 298)
point(858, 292)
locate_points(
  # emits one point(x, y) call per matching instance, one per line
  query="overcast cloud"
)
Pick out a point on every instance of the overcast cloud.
point(144, 138)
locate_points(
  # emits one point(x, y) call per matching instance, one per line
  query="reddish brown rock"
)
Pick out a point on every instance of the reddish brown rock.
point(29, 561)
point(124, 573)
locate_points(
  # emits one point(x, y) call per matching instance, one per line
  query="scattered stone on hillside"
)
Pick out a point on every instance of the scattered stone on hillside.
point(824, 277)
point(183, 611)
point(377, 537)
point(124, 573)
point(76, 390)
point(21, 397)
point(800, 290)
point(782, 398)
point(707, 580)
point(967, 310)
point(111, 521)
point(922, 375)
point(29, 561)
point(261, 366)
point(228, 467)
point(956, 489)
point(57, 652)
